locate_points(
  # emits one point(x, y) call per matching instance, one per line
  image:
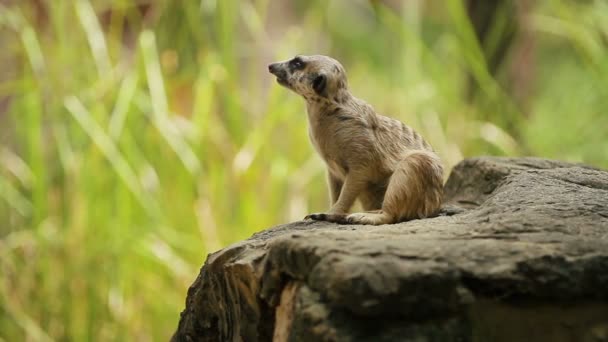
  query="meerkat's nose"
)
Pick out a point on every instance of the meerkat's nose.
point(272, 67)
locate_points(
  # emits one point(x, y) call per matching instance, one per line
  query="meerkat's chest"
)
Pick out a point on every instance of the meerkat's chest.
point(330, 149)
point(320, 142)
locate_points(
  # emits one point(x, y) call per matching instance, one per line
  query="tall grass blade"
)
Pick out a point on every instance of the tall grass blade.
point(95, 36)
point(125, 97)
point(14, 198)
point(160, 107)
point(110, 151)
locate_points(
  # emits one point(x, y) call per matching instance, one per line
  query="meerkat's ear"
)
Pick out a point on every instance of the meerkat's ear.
point(319, 83)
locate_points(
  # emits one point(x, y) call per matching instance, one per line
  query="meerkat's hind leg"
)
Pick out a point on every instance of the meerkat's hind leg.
point(416, 187)
point(414, 191)
point(374, 217)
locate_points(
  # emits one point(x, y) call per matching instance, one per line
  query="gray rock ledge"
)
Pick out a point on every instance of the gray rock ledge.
point(523, 257)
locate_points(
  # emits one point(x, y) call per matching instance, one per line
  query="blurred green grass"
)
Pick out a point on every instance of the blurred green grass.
point(138, 137)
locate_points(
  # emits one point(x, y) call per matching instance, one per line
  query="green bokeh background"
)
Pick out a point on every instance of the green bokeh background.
point(136, 137)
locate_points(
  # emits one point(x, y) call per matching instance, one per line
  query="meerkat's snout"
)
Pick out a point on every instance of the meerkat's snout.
point(280, 72)
point(273, 68)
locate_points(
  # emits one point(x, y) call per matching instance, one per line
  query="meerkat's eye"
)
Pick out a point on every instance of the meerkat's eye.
point(296, 63)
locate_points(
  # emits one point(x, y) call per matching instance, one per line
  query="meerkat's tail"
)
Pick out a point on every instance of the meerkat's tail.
point(415, 190)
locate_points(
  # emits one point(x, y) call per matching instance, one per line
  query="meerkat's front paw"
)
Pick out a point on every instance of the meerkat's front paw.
point(336, 218)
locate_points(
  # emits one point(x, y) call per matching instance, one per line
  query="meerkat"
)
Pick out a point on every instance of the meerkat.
point(382, 162)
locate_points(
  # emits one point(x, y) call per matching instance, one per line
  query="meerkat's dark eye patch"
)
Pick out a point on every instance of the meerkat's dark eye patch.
point(319, 83)
point(297, 64)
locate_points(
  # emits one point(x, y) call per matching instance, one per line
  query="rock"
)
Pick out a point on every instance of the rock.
point(524, 257)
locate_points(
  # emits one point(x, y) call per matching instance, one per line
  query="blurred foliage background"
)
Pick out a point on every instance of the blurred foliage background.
point(138, 136)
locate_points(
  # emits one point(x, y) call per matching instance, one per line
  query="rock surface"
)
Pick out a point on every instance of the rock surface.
point(524, 257)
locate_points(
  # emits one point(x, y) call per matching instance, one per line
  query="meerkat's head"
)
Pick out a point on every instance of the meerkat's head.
point(311, 76)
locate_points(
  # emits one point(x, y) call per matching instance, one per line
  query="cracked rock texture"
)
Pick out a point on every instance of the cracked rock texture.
point(523, 257)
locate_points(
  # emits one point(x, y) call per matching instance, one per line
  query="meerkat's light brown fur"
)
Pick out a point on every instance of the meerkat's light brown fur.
point(384, 163)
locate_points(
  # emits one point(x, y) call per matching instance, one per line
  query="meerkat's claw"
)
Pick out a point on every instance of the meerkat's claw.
point(315, 217)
